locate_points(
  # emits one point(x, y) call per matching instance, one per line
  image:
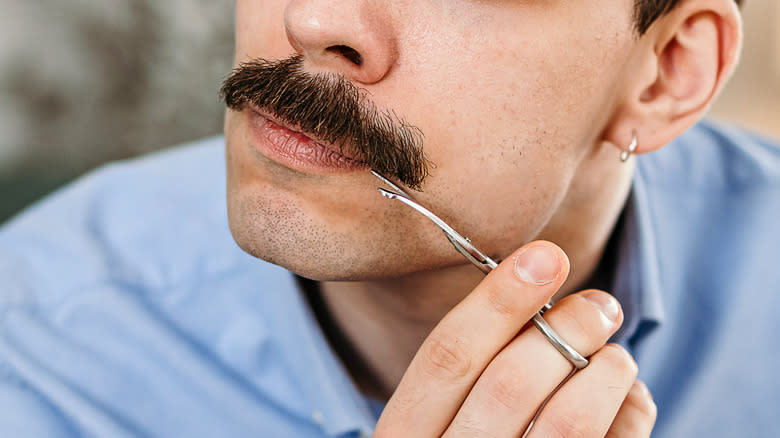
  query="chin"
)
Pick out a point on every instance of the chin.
point(346, 248)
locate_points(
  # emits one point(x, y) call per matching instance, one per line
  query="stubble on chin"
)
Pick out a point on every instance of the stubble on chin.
point(284, 233)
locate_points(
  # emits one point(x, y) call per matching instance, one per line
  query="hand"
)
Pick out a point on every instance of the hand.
point(484, 370)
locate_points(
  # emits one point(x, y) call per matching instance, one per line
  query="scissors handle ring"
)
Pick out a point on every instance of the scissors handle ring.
point(565, 349)
point(464, 246)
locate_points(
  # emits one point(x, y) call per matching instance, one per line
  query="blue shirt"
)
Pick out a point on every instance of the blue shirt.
point(126, 308)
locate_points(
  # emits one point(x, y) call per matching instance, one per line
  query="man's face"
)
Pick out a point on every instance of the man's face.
point(510, 95)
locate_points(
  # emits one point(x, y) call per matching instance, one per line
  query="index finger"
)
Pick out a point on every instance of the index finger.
point(464, 342)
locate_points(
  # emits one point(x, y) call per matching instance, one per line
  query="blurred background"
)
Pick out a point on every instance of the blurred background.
point(84, 82)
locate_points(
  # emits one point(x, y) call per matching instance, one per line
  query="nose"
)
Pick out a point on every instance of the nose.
point(351, 37)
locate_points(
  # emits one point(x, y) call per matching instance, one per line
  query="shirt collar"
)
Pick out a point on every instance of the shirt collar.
point(637, 282)
point(334, 402)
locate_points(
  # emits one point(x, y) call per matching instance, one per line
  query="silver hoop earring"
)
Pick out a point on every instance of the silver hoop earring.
point(625, 155)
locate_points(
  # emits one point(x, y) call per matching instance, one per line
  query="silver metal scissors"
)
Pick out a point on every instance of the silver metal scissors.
point(485, 264)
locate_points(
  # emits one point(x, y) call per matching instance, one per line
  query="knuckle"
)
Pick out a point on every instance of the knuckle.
point(618, 359)
point(446, 358)
point(468, 427)
point(570, 426)
point(643, 403)
point(652, 410)
point(507, 389)
point(648, 408)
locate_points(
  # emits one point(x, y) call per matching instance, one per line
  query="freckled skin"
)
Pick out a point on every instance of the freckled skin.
point(511, 97)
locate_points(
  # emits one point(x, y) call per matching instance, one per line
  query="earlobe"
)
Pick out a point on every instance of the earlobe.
point(683, 62)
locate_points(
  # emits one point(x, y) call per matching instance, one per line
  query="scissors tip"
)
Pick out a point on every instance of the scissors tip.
point(399, 191)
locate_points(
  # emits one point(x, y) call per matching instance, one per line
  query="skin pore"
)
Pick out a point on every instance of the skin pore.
point(523, 106)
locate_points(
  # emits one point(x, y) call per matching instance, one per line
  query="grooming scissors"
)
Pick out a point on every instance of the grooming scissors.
point(485, 264)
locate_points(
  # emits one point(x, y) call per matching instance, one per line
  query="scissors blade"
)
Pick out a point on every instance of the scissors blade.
point(461, 244)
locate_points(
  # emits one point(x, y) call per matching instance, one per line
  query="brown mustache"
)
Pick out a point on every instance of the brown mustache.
point(331, 109)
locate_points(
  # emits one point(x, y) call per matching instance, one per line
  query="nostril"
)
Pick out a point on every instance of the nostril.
point(348, 52)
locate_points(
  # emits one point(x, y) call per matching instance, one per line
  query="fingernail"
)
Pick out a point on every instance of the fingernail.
point(605, 302)
point(537, 264)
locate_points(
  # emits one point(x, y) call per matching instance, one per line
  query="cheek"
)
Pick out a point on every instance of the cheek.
point(508, 126)
point(507, 114)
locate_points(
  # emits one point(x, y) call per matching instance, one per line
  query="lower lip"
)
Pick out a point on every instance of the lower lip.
point(295, 150)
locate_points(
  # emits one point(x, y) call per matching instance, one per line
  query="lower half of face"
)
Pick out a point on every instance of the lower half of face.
point(510, 98)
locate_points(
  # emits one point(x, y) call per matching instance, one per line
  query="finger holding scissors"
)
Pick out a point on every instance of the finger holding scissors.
point(480, 371)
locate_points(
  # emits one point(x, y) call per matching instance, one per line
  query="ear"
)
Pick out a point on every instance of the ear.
point(675, 72)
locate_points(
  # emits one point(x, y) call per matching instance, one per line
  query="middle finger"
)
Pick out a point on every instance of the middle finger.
point(518, 380)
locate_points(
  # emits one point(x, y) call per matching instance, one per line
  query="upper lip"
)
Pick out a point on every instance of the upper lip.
point(340, 149)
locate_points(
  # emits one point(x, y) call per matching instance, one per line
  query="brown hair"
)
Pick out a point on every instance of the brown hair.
point(647, 11)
